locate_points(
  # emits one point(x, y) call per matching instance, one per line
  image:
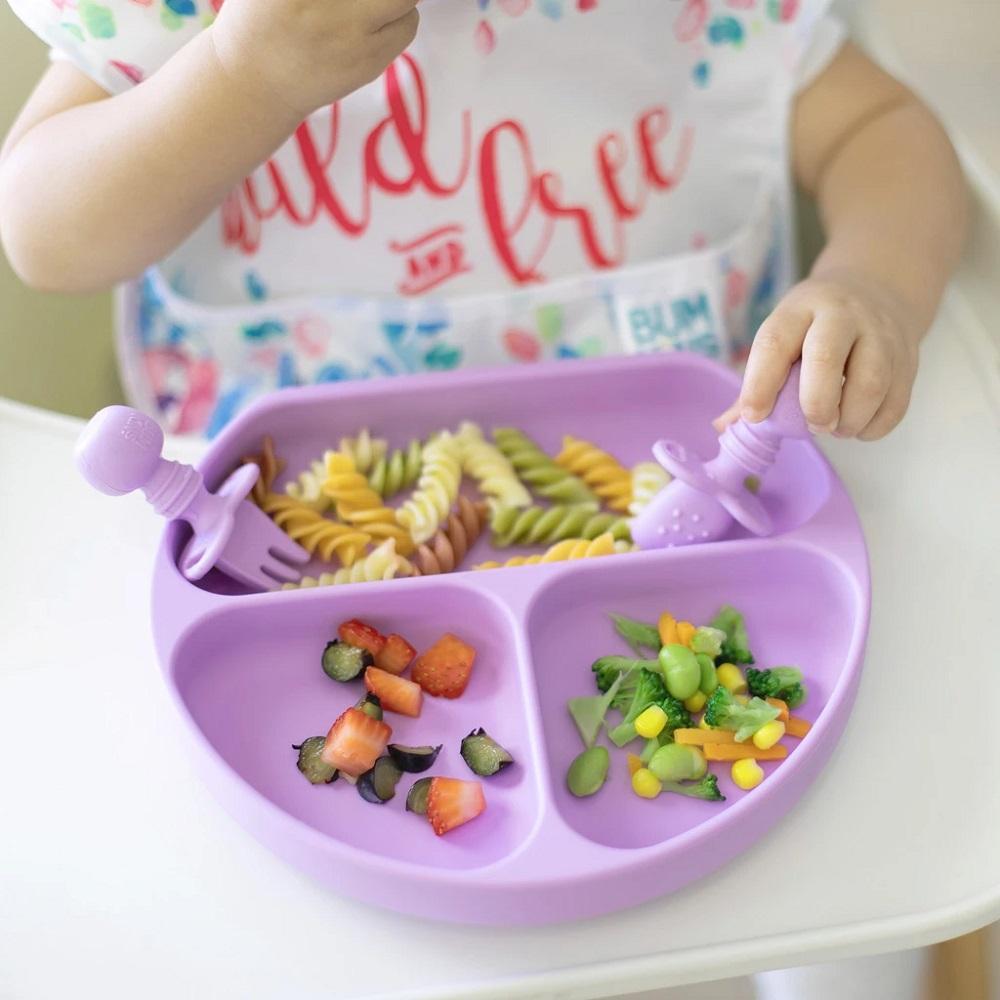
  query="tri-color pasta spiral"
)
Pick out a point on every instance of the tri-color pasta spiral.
point(270, 468)
point(383, 563)
point(365, 450)
point(396, 470)
point(359, 505)
point(307, 487)
point(539, 471)
point(648, 478)
point(605, 475)
point(437, 488)
point(545, 525)
point(317, 534)
point(446, 550)
point(571, 548)
point(490, 467)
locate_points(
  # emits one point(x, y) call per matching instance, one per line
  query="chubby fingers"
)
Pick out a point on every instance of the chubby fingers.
point(776, 347)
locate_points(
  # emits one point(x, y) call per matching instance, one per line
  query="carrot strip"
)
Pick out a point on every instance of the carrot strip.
point(797, 727)
point(739, 751)
point(699, 737)
point(781, 706)
point(685, 633)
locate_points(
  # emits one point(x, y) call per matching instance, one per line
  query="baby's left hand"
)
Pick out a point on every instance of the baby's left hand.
point(859, 347)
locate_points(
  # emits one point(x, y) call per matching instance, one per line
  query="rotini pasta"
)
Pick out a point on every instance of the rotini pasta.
point(437, 488)
point(307, 488)
point(270, 468)
point(491, 469)
point(570, 548)
point(365, 450)
point(648, 478)
point(600, 471)
point(359, 505)
point(446, 550)
point(317, 534)
point(397, 470)
point(539, 471)
point(383, 563)
point(545, 525)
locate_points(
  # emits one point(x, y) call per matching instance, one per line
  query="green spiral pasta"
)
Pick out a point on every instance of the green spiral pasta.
point(397, 470)
point(545, 525)
point(539, 471)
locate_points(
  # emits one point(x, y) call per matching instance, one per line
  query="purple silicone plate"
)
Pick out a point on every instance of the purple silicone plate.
point(244, 668)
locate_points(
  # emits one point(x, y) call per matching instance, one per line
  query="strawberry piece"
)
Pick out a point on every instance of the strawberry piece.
point(452, 802)
point(396, 655)
point(397, 694)
point(355, 742)
point(444, 669)
point(363, 635)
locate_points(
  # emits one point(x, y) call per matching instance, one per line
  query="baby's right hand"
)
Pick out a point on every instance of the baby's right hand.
point(311, 53)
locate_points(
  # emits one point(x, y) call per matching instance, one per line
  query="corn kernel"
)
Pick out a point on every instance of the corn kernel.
point(731, 678)
point(650, 723)
point(696, 702)
point(634, 762)
point(747, 773)
point(646, 784)
point(685, 633)
point(768, 735)
point(667, 627)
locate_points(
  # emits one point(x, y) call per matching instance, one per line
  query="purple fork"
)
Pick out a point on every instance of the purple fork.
point(119, 452)
point(704, 498)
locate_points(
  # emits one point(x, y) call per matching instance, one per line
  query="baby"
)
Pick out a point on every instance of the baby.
point(293, 191)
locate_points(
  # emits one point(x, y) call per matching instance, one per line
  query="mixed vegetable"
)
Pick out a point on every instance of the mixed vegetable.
point(358, 746)
point(681, 671)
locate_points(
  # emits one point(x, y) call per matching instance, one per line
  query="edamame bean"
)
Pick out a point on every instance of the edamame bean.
point(677, 762)
point(681, 670)
point(588, 772)
point(709, 679)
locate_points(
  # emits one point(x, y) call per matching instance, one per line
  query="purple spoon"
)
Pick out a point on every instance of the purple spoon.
point(704, 498)
point(119, 452)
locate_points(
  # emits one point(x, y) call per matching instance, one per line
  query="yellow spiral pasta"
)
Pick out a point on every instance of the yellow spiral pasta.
point(446, 550)
point(571, 548)
point(603, 474)
point(437, 488)
point(648, 478)
point(317, 534)
point(383, 563)
point(307, 487)
point(490, 468)
point(359, 505)
point(364, 449)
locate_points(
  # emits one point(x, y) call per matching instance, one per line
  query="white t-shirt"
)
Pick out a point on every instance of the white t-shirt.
point(531, 179)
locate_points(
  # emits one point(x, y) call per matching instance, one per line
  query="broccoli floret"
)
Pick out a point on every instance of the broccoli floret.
point(678, 717)
point(779, 682)
point(736, 645)
point(723, 711)
point(633, 699)
point(708, 640)
point(607, 668)
point(707, 788)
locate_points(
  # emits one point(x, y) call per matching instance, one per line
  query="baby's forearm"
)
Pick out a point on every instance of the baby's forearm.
point(94, 194)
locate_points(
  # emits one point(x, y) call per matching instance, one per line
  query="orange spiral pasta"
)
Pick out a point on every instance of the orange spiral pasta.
point(446, 550)
point(359, 505)
point(603, 474)
point(317, 534)
point(270, 468)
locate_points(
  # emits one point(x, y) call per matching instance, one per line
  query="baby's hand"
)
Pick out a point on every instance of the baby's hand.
point(858, 345)
point(307, 54)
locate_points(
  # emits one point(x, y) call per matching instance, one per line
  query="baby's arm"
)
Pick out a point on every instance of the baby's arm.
point(95, 188)
point(893, 205)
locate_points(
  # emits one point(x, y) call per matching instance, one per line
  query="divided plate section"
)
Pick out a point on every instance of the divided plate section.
point(801, 606)
point(622, 405)
point(249, 675)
